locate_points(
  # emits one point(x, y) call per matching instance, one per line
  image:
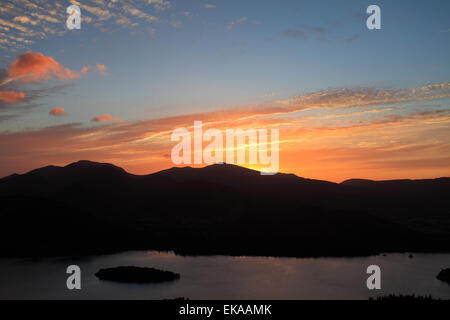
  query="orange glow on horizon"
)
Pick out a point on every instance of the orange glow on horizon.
point(317, 140)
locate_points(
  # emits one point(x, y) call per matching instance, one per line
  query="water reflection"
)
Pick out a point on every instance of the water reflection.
point(222, 277)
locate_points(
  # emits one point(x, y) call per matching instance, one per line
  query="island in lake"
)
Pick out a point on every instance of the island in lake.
point(133, 274)
point(444, 275)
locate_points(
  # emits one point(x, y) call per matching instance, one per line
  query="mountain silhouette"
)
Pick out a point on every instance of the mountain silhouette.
point(88, 207)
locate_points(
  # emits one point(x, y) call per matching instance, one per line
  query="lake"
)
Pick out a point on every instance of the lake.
point(226, 277)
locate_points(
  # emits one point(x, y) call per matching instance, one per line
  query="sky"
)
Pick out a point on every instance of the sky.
point(349, 102)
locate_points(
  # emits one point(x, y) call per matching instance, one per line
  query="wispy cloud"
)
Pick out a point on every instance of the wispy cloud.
point(331, 134)
point(304, 32)
point(12, 96)
point(24, 22)
point(352, 38)
point(105, 118)
point(236, 22)
point(30, 67)
point(160, 5)
point(19, 79)
point(324, 33)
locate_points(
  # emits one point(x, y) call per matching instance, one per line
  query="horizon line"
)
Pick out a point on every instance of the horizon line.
point(215, 164)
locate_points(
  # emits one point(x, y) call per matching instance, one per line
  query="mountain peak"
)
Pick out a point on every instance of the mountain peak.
point(357, 181)
point(214, 169)
point(86, 164)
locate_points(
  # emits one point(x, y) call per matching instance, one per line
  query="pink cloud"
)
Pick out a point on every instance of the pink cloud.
point(34, 67)
point(57, 112)
point(105, 118)
point(12, 96)
point(101, 69)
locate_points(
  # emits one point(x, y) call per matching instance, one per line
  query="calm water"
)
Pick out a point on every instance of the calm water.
point(223, 277)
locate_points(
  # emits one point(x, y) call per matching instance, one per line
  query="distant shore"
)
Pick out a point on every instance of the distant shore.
point(91, 208)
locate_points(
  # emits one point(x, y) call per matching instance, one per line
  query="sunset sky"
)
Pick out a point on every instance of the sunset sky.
point(349, 102)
